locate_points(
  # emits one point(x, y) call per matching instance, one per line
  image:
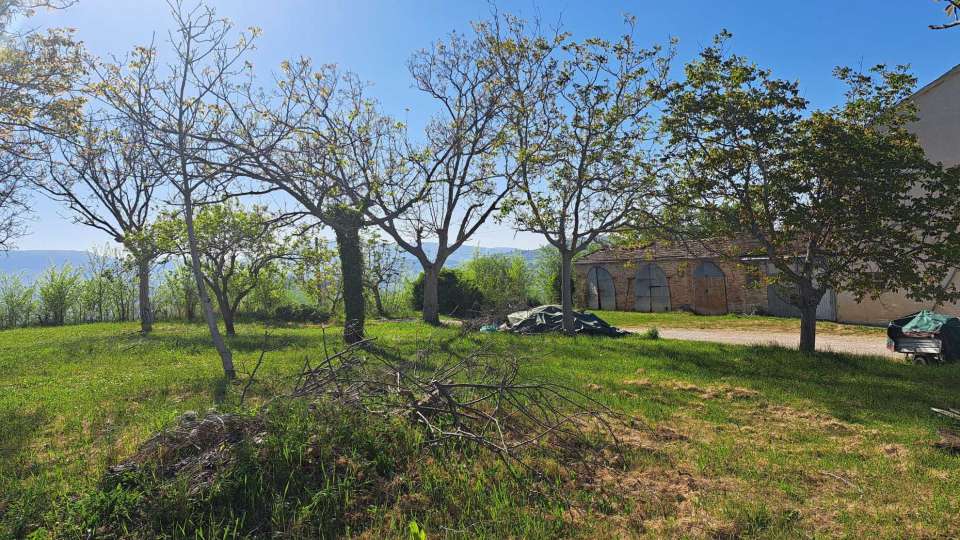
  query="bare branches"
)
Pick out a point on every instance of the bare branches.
point(38, 72)
point(178, 114)
point(951, 10)
point(478, 397)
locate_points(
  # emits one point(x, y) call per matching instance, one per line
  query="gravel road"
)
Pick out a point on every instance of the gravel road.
point(868, 345)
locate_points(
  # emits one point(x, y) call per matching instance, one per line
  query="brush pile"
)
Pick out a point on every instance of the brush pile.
point(478, 397)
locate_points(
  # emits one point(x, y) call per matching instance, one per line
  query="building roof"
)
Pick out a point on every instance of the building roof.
point(658, 251)
point(938, 81)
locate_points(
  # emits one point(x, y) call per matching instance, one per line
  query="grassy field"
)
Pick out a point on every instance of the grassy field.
point(733, 321)
point(772, 443)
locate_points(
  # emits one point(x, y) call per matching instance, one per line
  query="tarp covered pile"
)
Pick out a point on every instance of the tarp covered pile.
point(550, 319)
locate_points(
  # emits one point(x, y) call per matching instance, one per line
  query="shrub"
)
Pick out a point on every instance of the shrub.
point(651, 333)
point(59, 291)
point(458, 296)
point(504, 281)
point(546, 275)
point(16, 301)
point(301, 313)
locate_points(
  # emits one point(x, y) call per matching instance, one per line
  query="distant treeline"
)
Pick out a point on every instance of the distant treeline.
point(303, 289)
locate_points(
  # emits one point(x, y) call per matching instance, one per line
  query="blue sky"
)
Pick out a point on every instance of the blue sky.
point(798, 40)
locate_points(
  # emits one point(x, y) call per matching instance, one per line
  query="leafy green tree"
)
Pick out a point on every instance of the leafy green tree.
point(58, 291)
point(236, 247)
point(179, 293)
point(546, 275)
point(504, 281)
point(317, 272)
point(16, 301)
point(272, 290)
point(458, 296)
point(96, 287)
point(841, 198)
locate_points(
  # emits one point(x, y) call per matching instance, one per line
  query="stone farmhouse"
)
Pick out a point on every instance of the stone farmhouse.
point(674, 277)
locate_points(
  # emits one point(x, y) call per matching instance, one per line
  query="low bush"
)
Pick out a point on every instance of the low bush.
point(301, 313)
point(504, 282)
point(459, 297)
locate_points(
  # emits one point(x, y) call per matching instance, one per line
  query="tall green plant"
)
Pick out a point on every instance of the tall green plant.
point(16, 301)
point(59, 290)
point(504, 281)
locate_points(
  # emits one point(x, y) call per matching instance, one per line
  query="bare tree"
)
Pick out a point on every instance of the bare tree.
point(106, 177)
point(458, 163)
point(179, 117)
point(320, 139)
point(383, 266)
point(581, 122)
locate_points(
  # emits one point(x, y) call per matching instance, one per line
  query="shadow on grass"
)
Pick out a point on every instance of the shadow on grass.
point(852, 388)
point(19, 429)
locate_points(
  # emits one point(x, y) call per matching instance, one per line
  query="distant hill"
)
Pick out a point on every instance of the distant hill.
point(31, 263)
point(466, 253)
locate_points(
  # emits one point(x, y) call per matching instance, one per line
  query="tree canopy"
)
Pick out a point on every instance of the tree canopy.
point(842, 198)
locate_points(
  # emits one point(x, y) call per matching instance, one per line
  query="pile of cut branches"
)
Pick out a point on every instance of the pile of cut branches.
point(478, 397)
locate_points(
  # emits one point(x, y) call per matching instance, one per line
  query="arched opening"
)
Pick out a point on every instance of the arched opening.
point(651, 291)
point(600, 291)
point(709, 289)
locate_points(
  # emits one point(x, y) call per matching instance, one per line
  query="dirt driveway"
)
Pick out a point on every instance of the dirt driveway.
point(868, 345)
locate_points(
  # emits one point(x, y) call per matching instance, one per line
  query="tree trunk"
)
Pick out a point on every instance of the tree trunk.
point(146, 312)
point(347, 231)
point(188, 305)
point(431, 296)
point(227, 310)
point(809, 300)
point(228, 317)
point(226, 358)
point(379, 302)
point(566, 292)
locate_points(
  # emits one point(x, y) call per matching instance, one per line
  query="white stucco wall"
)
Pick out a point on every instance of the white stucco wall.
point(938, 110)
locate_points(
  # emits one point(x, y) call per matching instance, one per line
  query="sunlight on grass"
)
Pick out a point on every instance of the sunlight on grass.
point(772, 440)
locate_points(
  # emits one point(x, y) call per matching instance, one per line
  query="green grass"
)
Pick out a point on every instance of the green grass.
point(683, 319)
point(776, 443)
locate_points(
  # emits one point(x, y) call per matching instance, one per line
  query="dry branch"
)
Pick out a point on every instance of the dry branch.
point(479, 398)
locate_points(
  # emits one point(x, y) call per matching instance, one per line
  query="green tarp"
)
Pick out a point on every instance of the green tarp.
point(550, 319)
point(926, 322)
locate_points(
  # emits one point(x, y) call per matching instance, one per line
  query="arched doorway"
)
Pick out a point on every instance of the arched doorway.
point(709, 289)
point(600, 291)
point(651, 291)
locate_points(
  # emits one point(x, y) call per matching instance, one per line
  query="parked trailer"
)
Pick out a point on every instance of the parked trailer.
point(925, 337)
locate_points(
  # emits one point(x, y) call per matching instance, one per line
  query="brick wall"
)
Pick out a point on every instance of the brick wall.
point(744, 295)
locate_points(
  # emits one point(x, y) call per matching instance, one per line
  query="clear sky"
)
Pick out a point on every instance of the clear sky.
point(374, 38)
